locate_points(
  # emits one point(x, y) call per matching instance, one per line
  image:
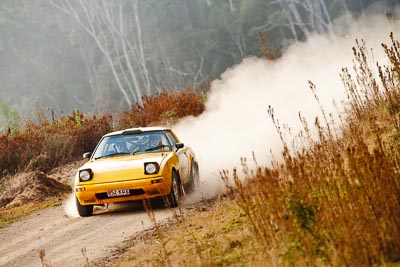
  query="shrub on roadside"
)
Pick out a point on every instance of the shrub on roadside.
point(163, 108)
point(51, 143)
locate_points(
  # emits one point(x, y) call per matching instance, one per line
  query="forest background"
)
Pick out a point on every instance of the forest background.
point(104, 56)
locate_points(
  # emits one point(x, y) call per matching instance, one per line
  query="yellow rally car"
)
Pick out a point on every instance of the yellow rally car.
point(134, 164)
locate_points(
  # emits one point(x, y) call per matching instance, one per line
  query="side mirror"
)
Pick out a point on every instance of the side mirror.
point(179, 146)
point(87, 155)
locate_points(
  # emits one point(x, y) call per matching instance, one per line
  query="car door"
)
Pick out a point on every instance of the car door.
point(182, 153)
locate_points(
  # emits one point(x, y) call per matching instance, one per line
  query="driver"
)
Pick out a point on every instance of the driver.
point(120, 147)
point(155, 141)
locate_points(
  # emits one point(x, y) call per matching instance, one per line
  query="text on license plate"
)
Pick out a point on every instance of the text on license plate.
point(118, 192)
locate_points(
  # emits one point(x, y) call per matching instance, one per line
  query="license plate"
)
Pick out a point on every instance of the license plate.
point(118, 192)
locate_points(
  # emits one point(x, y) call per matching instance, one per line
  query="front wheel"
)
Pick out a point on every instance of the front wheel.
point(173, 196)
point(84, 210)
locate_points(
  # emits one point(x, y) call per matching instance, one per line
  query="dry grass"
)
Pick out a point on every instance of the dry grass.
point(50, 143)
point(336, 201)
point(216, 235)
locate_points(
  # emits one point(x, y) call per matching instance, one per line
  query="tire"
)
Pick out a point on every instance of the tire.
point(194, 182)
point(84, 210)
point(174, 195)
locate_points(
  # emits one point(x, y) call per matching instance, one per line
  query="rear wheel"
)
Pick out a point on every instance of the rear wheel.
point(84, 210)
point(173, 196)
point(194, 182)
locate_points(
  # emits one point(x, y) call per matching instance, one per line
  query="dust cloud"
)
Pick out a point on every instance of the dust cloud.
point(70, 206)
point(236, 122)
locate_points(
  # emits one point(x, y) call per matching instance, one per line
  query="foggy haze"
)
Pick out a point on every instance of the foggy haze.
point(101, 56)
point(236, 121)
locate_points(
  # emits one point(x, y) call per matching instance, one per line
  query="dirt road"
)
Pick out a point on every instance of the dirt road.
point(63, 236)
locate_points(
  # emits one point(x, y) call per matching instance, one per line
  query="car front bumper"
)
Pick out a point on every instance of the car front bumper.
point(96, 194)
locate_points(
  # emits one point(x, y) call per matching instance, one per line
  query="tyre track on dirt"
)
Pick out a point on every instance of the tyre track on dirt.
point(63, 237)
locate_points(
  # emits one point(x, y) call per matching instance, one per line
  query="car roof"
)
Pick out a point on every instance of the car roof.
point(137, 130)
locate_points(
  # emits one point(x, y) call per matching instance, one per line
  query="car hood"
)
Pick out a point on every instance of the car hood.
point(121, 168)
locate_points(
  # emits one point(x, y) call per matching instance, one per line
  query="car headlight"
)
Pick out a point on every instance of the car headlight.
point(85, 175)
point(151, 168)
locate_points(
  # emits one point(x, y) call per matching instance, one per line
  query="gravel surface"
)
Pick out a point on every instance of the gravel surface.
point(63, 237)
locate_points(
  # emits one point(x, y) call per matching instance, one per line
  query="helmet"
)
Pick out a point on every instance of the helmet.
point(155, 140)
point(120, 147)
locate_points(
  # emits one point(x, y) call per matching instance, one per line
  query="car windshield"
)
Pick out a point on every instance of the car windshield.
point(133, 143)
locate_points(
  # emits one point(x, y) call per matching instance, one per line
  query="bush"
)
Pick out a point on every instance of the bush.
point(164, 108)
point(49, 144)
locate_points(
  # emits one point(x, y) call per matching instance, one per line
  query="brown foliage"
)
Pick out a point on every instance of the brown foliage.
point(163, 108)
point(337, 200)
point(49, 144)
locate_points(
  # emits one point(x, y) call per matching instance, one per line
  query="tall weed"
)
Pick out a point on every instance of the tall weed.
point(335, 200)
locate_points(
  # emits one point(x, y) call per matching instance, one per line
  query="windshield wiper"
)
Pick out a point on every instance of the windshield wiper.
point(112, 155)
point(135, 151)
